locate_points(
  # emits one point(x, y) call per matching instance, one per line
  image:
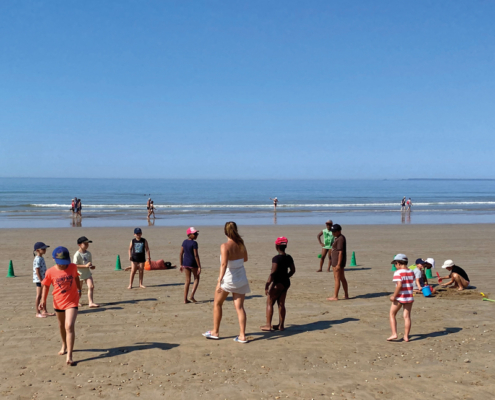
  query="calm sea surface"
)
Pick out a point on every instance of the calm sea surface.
point(122, 202)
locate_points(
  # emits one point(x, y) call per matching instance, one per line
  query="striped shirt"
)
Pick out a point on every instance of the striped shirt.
point(406, 276)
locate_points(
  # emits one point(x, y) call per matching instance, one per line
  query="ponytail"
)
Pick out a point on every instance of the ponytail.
point(231, 232)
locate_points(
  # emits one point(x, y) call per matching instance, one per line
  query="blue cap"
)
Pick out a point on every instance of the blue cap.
point(61, 256)
point(420, 261)
point(137, 230)
point(40, 245)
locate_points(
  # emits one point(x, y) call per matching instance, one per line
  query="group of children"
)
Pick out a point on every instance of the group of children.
point(412, 280)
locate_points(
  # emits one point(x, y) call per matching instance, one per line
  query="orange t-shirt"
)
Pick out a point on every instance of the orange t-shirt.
point(64, 292)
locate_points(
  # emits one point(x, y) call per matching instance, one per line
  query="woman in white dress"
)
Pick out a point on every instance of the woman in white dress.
point(233, 280)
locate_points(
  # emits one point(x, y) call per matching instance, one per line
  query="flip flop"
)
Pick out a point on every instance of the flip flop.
point(208, 335)
point(239, 340)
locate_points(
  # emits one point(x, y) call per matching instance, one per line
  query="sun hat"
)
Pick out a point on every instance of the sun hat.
point(281, 240)
point(336, 228)
point(400, 257)
point(61, 256)
point(40, 245)
point(137, 231)
point(191, 230)
point(431, 261)
point(448, 264)
point(83, 239)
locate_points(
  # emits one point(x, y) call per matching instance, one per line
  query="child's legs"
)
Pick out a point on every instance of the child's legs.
point(141, 273)
point(394, 309)
point(91, 286)
point(70, 329)
point(407, 320)
point(61, 326)
point(344, 281)
point(323, 255)
point(241, 313)
point(281, 310)
point(134, 268)
point(187, 272)
point(196, 282)
point(336, 276)
point(39, 290)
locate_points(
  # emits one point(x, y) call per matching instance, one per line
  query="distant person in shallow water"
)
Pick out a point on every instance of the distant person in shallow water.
point(409, 204)
point(277, 285)
point(151, 209)
point(79, 207)
point(403, 204)
point(326, 246)
point(275, 203)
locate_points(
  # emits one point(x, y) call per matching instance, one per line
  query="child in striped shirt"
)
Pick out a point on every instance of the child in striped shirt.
point(402, 297)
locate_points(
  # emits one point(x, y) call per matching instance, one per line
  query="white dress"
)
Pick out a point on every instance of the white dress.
point(235, 279)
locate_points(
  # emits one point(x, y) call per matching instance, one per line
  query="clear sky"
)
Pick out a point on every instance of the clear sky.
point(247, 89)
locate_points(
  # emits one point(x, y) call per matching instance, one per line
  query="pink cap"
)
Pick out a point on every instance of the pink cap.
point(191, 230)
point(281, 240)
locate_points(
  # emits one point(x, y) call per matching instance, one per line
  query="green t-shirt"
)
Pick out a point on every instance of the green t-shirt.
point(328, 239)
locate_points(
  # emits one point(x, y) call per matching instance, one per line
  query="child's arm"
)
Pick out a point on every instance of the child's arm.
point(270, 278)
point(88, 265)
point(79, 285)
point(196, 256)
point(37, 269)
point(397, 291)
point(130, 251)
point(319, 238)
point(418, 283)
point(147, 250)
point(181, 257)
point(44, 295)
point(292, 269)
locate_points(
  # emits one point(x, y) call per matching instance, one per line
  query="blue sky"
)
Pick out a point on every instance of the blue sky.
point(254, 89)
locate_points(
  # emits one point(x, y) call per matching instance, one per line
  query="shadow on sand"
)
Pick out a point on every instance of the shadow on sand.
point(347, 269)
point(114, 303)
point(166, 284)
point(371, 295)
point(421, 336)
point(99, 309)
point(117, 351)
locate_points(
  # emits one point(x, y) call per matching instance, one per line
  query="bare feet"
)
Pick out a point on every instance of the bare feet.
point(332, 298)
point(41, 315)
point(328, 270)
point(346, 297)
point(406, 338)
point(266, 328)
point(79, 304)
point(319, 270)
point(62, 351)
point(49, 314)
point(142, 286)
point(94, 305)
point(393, 337)
point(186, 301)
point(193, 299)
point(278, 328)
point(129, 287)
point(70, 362)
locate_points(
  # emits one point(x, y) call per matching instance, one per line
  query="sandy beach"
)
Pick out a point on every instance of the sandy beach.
point(146, 343)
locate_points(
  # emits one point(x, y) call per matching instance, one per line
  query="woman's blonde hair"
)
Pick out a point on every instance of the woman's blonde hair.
point(231, 232)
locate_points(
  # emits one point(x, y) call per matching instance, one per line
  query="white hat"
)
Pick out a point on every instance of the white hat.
point(400, 257)
point(448, 264)
point(431, 261)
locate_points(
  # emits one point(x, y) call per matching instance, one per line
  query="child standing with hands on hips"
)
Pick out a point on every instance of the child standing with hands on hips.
point(189, 262)
point(39, 271)
point(402, 297)
point(84, 261)
point(65, 280)
point(138, 249)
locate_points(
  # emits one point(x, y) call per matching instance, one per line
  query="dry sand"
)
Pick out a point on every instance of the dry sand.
point(146, 343)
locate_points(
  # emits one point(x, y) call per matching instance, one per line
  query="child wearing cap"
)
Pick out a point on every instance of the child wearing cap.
point(402, 296)
point(39, 271)
point(138, 249)
point(84, 261)
point(65, 280)
point(277, 285)
point(189, 262)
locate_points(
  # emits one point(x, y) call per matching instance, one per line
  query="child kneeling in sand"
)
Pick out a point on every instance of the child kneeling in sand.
point(65, 280)
point(402, 297)
point(84, 261)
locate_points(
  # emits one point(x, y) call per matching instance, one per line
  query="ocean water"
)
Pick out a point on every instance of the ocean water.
point(39, 202)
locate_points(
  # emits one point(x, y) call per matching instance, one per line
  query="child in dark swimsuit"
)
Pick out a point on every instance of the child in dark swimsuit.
point(138, 250)
point(277, 285)
point(190, 263)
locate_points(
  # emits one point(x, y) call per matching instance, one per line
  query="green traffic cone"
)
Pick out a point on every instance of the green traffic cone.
point(428, 274)
point(118, 266)
point(353, 260)
point(10, 273)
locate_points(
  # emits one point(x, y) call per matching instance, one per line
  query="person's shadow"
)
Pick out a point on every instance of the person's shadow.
point(98, 309)
point(372, 295)
point(421, 336)
point(114, 303)
point(292, 330)
point(117, 351)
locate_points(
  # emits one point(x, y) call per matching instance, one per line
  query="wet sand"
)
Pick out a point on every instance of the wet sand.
point(146, 343)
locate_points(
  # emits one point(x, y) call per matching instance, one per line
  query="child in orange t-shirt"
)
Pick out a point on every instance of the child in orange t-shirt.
point(65, 280)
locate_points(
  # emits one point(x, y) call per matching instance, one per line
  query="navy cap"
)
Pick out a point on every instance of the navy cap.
point(420, 261)
point(83, 239)
point(40, 245)
point(61, 256)
point(137, 230)
point(336, 228)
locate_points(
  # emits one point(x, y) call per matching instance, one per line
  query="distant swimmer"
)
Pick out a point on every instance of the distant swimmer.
point(403, 204)
point(409, 204)
point(79, 207)
point(72, 206)
point(151, 209)
point(275, 202)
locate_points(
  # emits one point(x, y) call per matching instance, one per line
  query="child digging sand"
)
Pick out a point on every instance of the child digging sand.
point(137, 250)
point(65, 280)
point(39, 271)
point(402, 297)
point(189, 262)
point(84, 261)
